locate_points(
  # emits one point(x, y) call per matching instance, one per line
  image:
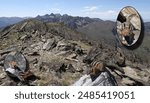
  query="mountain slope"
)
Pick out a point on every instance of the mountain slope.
point(35, 26)
point(102, 31)
point(5, 21)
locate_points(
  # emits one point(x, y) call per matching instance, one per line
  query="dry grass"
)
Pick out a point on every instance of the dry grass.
point(83, 45)
point(69, 78)
point(52, 58)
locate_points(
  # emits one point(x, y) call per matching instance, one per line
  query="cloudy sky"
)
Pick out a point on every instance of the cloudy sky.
point(104, 9)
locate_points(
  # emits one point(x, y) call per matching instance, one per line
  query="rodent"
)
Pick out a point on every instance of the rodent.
point(98, 67)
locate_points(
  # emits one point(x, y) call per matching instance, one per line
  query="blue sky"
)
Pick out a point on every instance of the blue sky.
point(104, 9)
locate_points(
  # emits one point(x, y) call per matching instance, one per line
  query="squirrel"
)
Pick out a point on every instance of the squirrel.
point(126, 31)
point(13, 65)
point(25, 75)
point(98, 67)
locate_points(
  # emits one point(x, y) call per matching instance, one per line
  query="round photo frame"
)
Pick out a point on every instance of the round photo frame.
point(130, 28)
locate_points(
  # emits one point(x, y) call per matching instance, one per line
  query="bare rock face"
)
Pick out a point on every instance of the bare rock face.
point(127, 81)
point(78, 50)
point(50, 44)
point(37, 46)
point(64, 46)
point(104, 79)
point(3, 75)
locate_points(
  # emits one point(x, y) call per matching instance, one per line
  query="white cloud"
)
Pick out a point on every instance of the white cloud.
point(105, 13)
point(110, 11)
point(95, 12)
point(55, 10)
point(90, 9)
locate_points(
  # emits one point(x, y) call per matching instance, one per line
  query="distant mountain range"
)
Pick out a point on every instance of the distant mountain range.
point(147, 26)
point(6, 21)
point(70, 21)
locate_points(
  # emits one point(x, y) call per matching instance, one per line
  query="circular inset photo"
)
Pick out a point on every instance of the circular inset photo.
point(129, 26)
point(14, 64)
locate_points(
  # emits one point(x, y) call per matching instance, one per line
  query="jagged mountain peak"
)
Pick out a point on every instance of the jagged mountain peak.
point(73, 22)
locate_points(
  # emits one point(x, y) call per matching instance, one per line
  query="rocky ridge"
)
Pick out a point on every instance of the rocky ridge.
point(59, 56)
